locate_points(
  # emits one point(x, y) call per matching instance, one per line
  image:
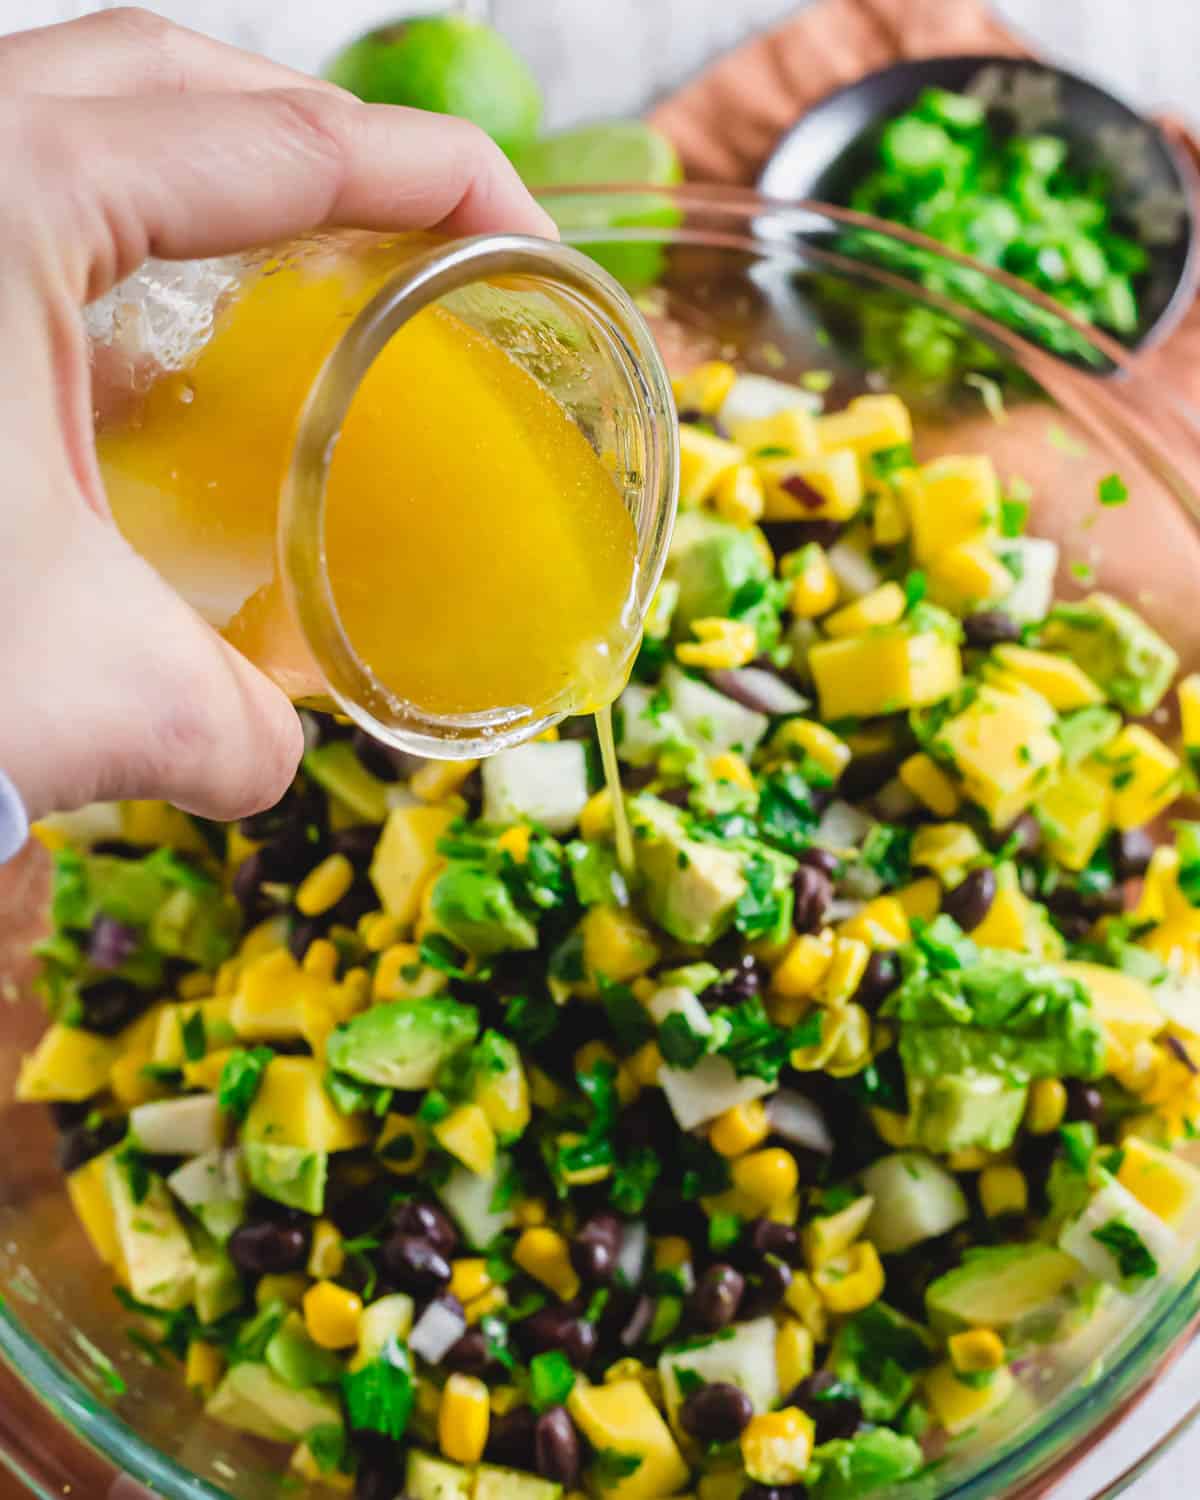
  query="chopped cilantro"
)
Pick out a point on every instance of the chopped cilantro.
point(724, 1230)
point(551, 1379)
point(192, 1036)
point(438, 952)
point(680, 1045)
point(786, 814)
point(1078, 1143)
point(887, 850)
point(610, 1466)
point(241, 1078)
point(1112, 490)
point(379, 1397)
point(327, 1444)
point(137, 1172)
point(887, 461)
point(705, 1173)
point(760, 907)
point(916, 586)
point(631, 1026)
point(1133, 1257)
point(633, 1180)
point(1014, 515)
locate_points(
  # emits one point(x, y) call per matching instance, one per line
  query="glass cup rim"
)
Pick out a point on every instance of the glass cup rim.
point(445, 268)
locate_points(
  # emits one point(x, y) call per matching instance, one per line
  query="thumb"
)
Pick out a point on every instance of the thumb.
point(120, 690)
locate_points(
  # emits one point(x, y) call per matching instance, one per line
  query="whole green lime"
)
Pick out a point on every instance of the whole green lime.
point(448, 64)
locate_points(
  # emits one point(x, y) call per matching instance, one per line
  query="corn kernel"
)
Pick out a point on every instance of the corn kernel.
point(591, 1054)
point(1003, 1190)
point(286, 1286)
point(948, 849)
point(516, 841)
point(469, 1278)
point(845, 972)
point(492, 1301)
point(195, 986)
point(1189, 710)
point(466, 1134)
point(228, 976)
point(738, 496)
point(205, 1362)
point(325, 886)
point(390, 983)
point(793, 1354)
point(732, 768)
point(331, 1315)
point(616, 944)
point(580, 1176)
point(705, 388)
point(926, 780)
point(402, 1145)
point(882, 606)
point(529, 1212)
point(1047, 1106)
point(379, 931)
point(777, 1446)
point(767, 1177)
point(893, 1129)
point(852, 1281)
point(545, 1255)
point(814, 583)
point(326, 1256)
point(721, 644)
point(827, 1237)
point(969, 1159)
point(464, 1416)
point(596, 819)
point(670, 1252)
point(805, 1301)
point(890, 521)
point(320, 959)
point(740, 1129)
point(353, 993)
point(816, 742)
point(645, 1064)
point(803, 966)
point(437, 779)
point(504, 1398)
point(976, 1350)
point(957, 1405)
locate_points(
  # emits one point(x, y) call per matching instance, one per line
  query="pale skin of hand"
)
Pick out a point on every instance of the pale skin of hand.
point(125, 137)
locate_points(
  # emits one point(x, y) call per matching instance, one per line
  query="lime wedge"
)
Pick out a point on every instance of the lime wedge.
point(612, 151)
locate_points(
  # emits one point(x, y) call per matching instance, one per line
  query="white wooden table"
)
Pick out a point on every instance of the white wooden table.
point(616, 57)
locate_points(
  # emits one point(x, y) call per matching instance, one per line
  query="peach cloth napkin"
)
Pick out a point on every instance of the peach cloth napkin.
point(726, 122)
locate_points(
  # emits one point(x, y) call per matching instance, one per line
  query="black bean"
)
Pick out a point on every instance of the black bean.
point(289, 856)
point(717, 1413)
point(361, 898)
point(247, 886)
point(80, 1144)
point(111, 942)
point(304, 932)
point(990, 627)
point(295, 806)
point(742, 980)
point(414, 1264)
point(674, 796)
point(715, 1301)
point(66, 1114)
point(837, 1417)
point(971, 899)
point(357, 843)
point(120, 849)
point(1073, 927)
point(471, 1355)
point(381, 760)
point(556, 1448)
point(578, 727)
point(1036, 1155)
point(379, 1473)
point(766, 1289)
point(1025, 833)
point(557, 1326)
point(1085, 1102)
point(110, 1004)
point(595, 1246)
point(510, 1438)
point(880, 978)
point(786, 536)
point(269, 1247)
point(647, 1122)
point(766, 1237)
point(814, 896)
point(637, 1324)
point(825, 860)
point(418, 1216)
point(1131, 852)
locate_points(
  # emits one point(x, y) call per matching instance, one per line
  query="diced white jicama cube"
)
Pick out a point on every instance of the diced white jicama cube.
point(753, 397)
point(1035, 559)
point(190, 1126)
point(697, 1095)
point(1112, 1209)
point(743, 1356)
point(545, 783)
point(646, 726)
point(711, 720)
point(915, 1199)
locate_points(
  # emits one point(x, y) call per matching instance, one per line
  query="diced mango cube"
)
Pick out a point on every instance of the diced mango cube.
point(953, 499)
point(1063, 685)
point(1145, 775)
point(67, 1065)
point(705, 388)
point(1189, 710)
point(703, 458)
point(1124, 1004)
point(967, 576)
point(867, 425)
point(920, 898)
point(621, 1418)
point(93, 1207)
point(1004, 749)
point(957, 1405)
point(273, 998)
point(616, 944)
point(292, 1108)
point(406, 856)
point(947, 849)
point(1073, 810)
point(882, 606)
point(828, 487)
point(1165, 1184)
point(793, 428)
point(885, 671)
point(466, 1134)
point(926, 780)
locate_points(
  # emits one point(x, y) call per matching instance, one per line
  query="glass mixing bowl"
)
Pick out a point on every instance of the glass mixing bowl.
point(781, 290)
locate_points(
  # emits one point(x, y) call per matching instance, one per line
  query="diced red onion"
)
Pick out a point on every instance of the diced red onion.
point(757, 689)
point(631, 1258)
point(843, 909)
point(110, 943)
point(437, 1331)
point(800, 1122)
point(842, 827)
point(855, 572)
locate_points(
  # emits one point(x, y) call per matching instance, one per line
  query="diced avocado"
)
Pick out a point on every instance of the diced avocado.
point(646, 723)
point(711, 560)
point(293, 1107)
point(213, 1187)
point(1119, 1241)
point(68, 1064)
point(878, 1353)
point(297, 1360)
point(1116, 648)
point(1124, 1003)
point(493, 1483)
point(498, 1085)
point(190, 1126)
point(538, 783)
point(291, 1175)
point(1006, 1287)
point(218, 1286)
point(336, 767)
point(914, 1198)
point(159, 1263)
point(470, 1196)
point(851, 1468)
point(429, 1478)
point(198, 923)
point(710, 720)
point(621, 1418)
point(406, 856)
point(476, 910)
point(402, 1045)
point(1073, 810)
point(744, 1356)
point(958, 1110)
point(691, 889)
point(253, 1399)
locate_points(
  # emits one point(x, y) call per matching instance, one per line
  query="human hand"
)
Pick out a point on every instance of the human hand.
point(126, 137)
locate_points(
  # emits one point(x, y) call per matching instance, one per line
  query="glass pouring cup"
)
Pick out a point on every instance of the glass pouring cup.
point(557, 314)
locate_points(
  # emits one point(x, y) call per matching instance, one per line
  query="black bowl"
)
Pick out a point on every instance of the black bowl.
point(829, 150)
